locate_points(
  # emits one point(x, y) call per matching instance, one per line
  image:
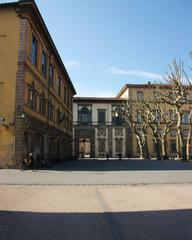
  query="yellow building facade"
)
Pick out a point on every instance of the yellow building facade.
point(135, 92)
point(36, 92)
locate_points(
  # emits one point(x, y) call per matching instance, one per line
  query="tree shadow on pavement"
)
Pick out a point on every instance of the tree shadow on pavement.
point(146, 225)
point(124, 165)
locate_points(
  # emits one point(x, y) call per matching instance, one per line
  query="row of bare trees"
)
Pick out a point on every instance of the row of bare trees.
point(163, 113)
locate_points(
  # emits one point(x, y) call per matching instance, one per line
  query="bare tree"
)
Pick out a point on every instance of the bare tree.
point(177, 98)
point(138, 122)
point(168, 120)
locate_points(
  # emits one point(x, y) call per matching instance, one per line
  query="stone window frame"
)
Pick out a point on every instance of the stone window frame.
point(44, 63)
point(101, 145)
point(32, 97)
point(140, 95)
point(51, 75)
point(42, 104)
point(101, 111)
point(51, 110)
point(58, 86)
point(173, 132)
point(34, 50)
point(89, 112)
point(117, 119)
point(185, 117)
point(117, 141)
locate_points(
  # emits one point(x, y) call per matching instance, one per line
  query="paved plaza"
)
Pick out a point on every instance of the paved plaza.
point(100, 172)
point(98, 200)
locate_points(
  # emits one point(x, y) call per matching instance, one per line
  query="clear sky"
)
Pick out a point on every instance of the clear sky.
point(105, 44)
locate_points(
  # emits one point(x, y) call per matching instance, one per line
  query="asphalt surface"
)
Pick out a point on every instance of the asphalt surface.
point(98, 200)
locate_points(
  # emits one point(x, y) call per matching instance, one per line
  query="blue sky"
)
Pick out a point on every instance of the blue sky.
point(105, 44)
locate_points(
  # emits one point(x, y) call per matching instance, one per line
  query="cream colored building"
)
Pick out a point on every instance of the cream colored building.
point(150, 91)
point(97, 129)
point(112, 136)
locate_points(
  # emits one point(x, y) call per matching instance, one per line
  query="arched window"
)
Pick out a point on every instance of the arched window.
point(84, 115)
point(117, 116)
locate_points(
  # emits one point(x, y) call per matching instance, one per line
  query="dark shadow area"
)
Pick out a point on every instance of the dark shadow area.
point(124, 165)
point(147, 225)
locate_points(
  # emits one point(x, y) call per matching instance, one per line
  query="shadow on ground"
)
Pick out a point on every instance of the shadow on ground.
point(148, 225)
point(124, 165)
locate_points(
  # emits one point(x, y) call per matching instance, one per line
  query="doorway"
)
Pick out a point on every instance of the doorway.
point(84, 148)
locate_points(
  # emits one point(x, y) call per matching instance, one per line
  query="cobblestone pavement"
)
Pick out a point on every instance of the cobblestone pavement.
point(161, 212)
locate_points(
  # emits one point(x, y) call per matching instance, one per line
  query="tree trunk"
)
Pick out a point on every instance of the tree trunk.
point(146, 148)
point(140, 147)
point(157, 148)
point(181, 149)
point(164, 148)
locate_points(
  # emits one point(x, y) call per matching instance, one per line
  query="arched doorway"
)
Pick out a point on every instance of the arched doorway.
point(84, 148)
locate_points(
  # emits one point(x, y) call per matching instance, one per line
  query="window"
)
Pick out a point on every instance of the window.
point(101, 145)
point(185, 132)
point(51, 110)
point(156, 95)
point(58, 86)
point(140, 96)
point(42, 107)
point(185, 117)
point(119, 146)
point(51, 75)
point(101, 116)
point(44, 64)
point(84, 115)
point(173, 133)
point(34, 50)
point(117, 116)
point(173, 147)
point(32, 100)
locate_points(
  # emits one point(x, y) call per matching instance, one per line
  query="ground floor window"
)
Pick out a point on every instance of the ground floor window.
point(101, 145)
point(118, 145)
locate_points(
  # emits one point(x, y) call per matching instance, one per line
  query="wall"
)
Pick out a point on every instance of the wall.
point(9, 43)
